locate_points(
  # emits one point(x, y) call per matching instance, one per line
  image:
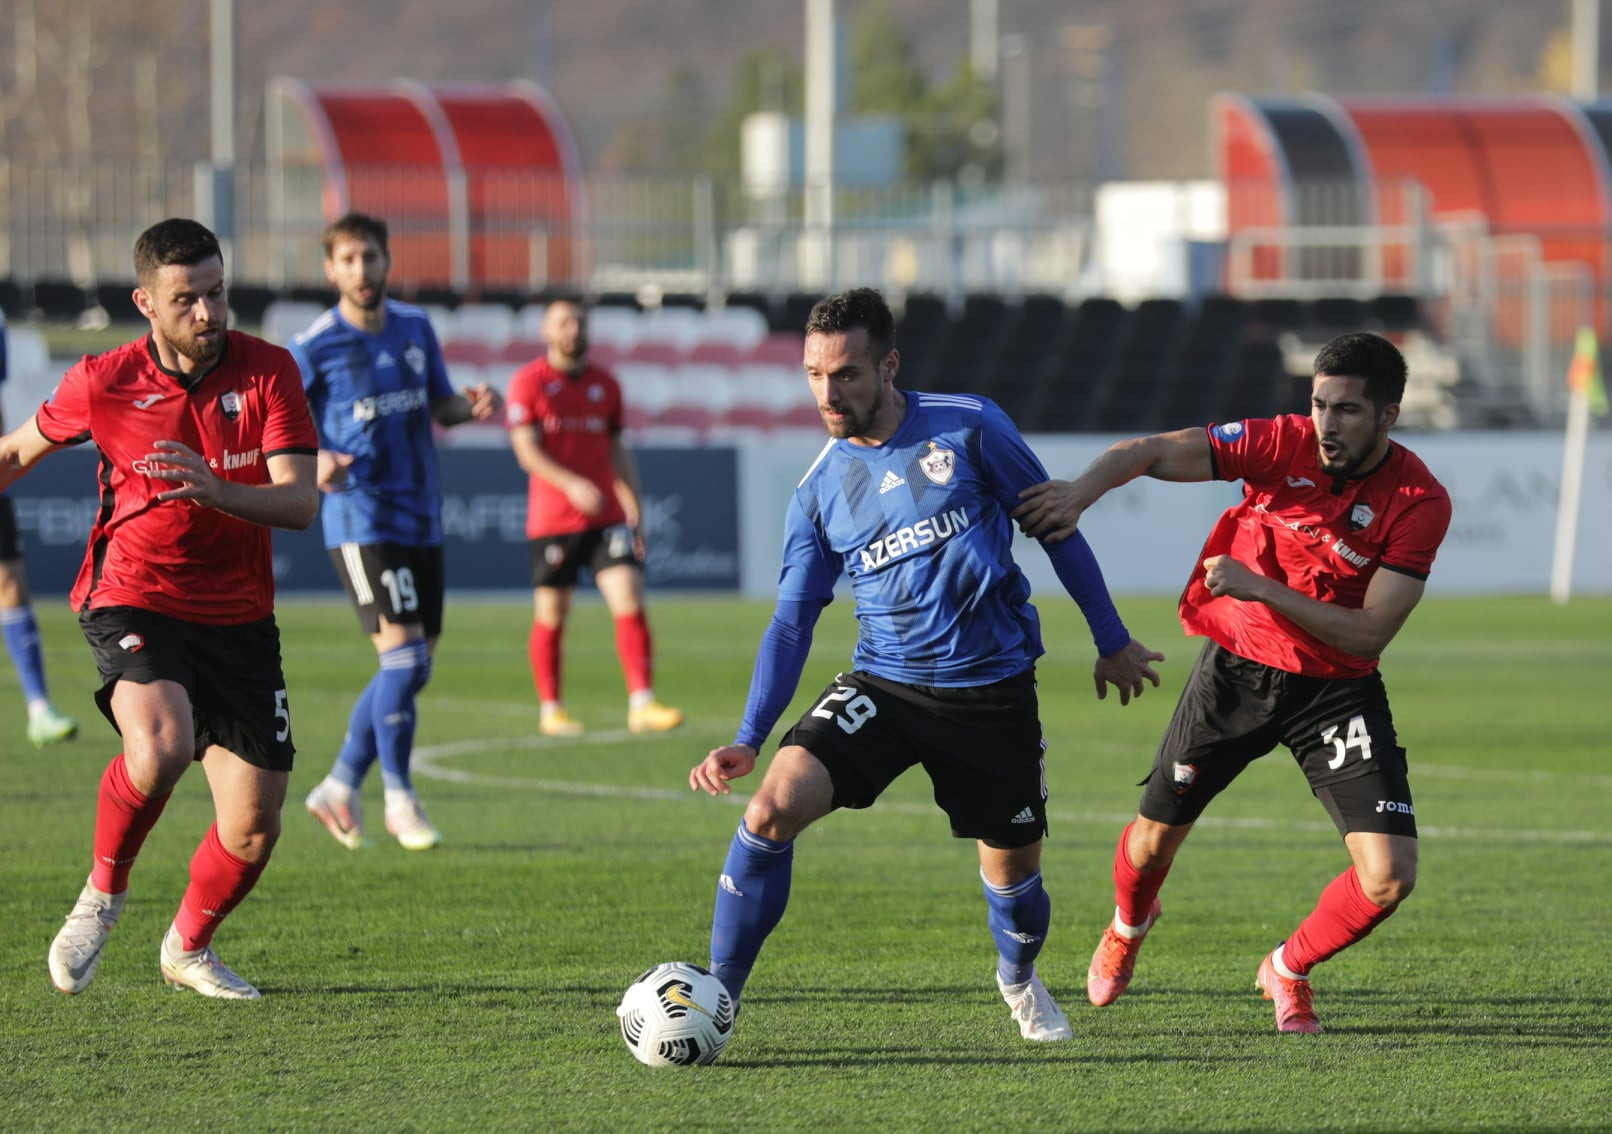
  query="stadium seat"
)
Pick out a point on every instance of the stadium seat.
point(492, 324)
point(498, 373)
point(783, 347)
point(738, 327)
point(11, 299)
point(247, 302)
point(285, 318)
point(677, 326)
point(473, 351)
point(645, 386)
point(60, 300)
point(617, 326)
point(1396, 313)
point(655, 350)
point(117, 300)
point(720, 353)
point(523, 349)
point(529, 322)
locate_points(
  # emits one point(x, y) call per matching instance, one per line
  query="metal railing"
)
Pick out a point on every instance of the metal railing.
point(1492, 300)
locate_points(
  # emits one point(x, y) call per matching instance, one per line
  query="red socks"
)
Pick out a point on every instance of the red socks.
point(218, 882)
point(1343, 916)
point(543, 647)
point(123, 819)
point(1134, 891)
point(633, 648)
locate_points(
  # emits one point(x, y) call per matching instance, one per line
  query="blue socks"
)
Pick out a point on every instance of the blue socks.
point(750, 900)
point(22, 643)
point(404, 672)
point(358, 746)
point(1019, 917)
point(381, 725)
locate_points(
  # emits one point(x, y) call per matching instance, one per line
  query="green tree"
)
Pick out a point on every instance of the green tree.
point(765, 81)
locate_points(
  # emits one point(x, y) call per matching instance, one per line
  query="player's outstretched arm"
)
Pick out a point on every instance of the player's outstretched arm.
point(1126, 671)
point(728, 762)
point(21, 450)
point(479, 403)
point(289, 500)
point(1051, 510)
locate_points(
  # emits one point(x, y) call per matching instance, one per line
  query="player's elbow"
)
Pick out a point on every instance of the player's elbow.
point(303, 508)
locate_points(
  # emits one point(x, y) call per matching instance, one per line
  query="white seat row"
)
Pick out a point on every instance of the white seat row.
point(495, 325)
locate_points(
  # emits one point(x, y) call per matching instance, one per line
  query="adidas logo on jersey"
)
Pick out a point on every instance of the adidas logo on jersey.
point(891, 480)
point(1025, 816)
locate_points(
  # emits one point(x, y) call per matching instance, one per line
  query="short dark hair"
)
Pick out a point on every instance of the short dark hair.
point(860, 307)
point(176, 240)
point(355, 226)
point(1367, 356)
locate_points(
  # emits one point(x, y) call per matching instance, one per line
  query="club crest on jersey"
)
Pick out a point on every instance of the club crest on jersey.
point(595, 393)
point(1230, 431)
point(1360, 516)
point(554, 387)
point(414, 357)
point(938, 464)
point(230, 402)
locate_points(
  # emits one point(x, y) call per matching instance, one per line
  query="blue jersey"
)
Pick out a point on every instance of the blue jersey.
point(371, 397)
point(921, 526)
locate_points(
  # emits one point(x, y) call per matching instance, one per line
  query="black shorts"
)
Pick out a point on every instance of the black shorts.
point(232, 674)
point(557, 561)
point(1234, 711)
point(402, 584)
point(981, 746)
point(10, 539)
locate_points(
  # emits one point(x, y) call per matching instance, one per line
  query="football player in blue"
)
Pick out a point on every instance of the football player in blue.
point(911, 499)
point(376, 383)
point(18, 626)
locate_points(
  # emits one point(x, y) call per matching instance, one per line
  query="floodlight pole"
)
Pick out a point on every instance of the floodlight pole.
point(1586, 33)
point(821, 98)
point(216, 180)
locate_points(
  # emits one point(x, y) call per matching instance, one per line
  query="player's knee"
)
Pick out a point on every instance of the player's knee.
point(1389, 887)
point(769, 815)
point(255, 840)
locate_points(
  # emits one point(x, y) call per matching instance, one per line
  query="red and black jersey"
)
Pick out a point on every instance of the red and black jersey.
point(577, 417)
point(1324, 536)
point(177, 557)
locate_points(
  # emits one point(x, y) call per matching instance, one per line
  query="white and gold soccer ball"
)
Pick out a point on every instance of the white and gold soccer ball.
point(676, 1015)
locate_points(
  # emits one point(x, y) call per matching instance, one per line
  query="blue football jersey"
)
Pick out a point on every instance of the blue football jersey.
point(921, 526)
point(370, 396)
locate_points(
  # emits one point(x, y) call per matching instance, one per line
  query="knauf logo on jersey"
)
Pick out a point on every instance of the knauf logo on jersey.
point(384, 405)
point(914, 537)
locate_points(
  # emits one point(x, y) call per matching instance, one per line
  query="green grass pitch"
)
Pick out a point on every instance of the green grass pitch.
point(474, 987)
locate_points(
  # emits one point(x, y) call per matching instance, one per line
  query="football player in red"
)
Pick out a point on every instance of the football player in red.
point(1299, 589)
point(205, 444)
point(582, 511)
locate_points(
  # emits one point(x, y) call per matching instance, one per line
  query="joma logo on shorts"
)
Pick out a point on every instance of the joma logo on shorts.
point(1391, 805)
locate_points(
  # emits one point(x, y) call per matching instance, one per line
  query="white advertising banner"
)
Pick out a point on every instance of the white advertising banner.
point(1503, 486)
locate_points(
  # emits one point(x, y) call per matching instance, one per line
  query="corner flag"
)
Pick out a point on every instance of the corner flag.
point(1584, 372)
point(1586, 395)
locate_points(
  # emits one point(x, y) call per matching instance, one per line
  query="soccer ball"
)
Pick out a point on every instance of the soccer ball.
point(676, 1015)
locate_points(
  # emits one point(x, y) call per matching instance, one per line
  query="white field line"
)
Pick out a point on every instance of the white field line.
point(427, 762)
